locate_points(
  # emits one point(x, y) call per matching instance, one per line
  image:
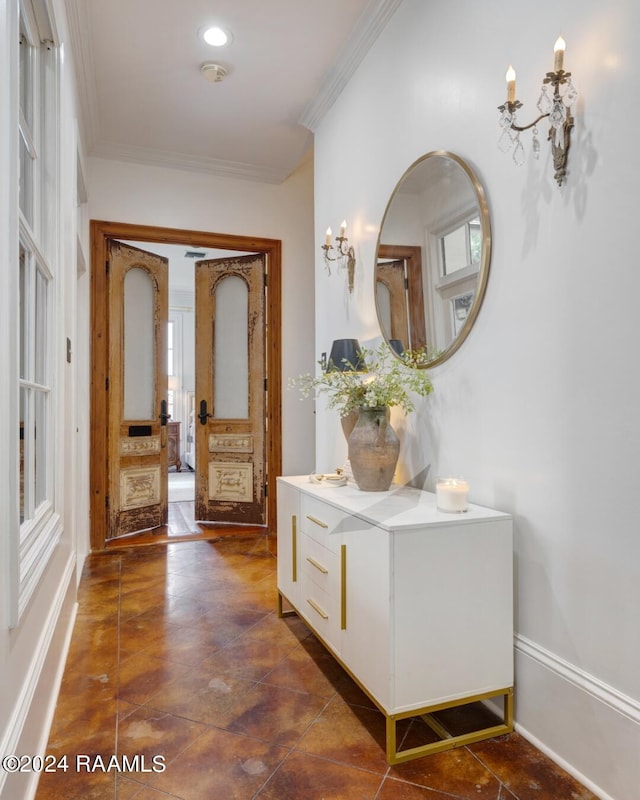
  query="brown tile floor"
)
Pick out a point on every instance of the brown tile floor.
point(178, 653)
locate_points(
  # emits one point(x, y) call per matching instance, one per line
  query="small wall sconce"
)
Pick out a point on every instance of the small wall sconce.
point(342, 254)
point(555, 107)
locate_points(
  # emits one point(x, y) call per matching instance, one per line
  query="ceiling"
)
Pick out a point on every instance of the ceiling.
point(144, 99)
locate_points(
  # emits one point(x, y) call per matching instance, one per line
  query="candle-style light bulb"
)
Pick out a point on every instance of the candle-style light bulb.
point(558, 54)
point(511, 84)
point(343, 228)
point(327, 241)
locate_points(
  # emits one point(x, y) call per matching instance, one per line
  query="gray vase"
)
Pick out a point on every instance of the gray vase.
point(373, 450)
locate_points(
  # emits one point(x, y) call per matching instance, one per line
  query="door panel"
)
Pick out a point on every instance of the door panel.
point(230, 390)
point(137, 384)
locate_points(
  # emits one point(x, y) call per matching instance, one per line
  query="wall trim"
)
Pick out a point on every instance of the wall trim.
point(601, 691)
point(9, 743)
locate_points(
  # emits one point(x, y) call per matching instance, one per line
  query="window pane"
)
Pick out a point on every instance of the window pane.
point(40, 436)
point(454, 250)
point(41, 329)
point(23, 453)
point(26, 182)
point(231, 349)
point(139, 344)
point(26, 80)
point(475, 239)
point(23, 313)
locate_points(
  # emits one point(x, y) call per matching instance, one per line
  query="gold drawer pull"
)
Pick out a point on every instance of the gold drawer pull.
point(317, 565)
point(343, 587)
point(317, 521)
point(317, 609)
point(294, 548)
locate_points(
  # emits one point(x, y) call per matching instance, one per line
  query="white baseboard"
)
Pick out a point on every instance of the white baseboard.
point(588, 727)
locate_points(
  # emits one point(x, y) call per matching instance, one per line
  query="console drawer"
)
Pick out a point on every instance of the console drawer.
point(320, 520)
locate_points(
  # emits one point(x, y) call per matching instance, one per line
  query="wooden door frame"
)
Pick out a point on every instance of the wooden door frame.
point(99, 407)
point(412, 256)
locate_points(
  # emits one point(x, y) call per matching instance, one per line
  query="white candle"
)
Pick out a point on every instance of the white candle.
point(343, 228)
point(327, 241)
point(452, 494)
point(511, 84)
point(558, 54)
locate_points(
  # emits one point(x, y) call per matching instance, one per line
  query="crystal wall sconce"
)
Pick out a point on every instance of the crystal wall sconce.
point(342, 254)
point(556, 106)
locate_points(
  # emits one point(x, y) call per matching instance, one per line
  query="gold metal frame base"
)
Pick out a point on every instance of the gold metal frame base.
point(447, 741)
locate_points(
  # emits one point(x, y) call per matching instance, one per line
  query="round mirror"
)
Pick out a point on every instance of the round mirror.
point(432, 259)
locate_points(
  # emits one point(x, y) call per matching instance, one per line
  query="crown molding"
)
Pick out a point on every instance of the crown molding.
point(80, 38)
point(173, 160)
point(372, 22)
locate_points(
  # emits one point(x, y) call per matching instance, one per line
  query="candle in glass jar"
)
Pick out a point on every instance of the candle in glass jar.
point(452, 494)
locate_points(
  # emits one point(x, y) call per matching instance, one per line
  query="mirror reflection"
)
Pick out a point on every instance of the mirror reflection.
point(432, 259)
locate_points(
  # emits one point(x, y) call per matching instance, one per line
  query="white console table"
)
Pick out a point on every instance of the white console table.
point(416, 604)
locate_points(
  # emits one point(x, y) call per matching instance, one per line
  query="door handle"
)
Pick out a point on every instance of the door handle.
point(163, 413)
point(203, 415)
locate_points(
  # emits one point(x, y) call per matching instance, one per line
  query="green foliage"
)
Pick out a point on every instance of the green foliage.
point(385, 381)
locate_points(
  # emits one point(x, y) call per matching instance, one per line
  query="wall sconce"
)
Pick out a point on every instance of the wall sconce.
point(342, 254)
point(555, 107)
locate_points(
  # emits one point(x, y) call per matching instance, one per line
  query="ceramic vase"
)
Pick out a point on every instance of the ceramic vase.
point(373, 450)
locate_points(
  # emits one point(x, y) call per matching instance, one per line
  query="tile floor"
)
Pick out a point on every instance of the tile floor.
point(178, 652)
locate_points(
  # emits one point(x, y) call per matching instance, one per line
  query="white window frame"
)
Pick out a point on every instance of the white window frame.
point(38, 366)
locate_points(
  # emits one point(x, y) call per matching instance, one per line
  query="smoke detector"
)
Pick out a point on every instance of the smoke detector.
point(214, 73)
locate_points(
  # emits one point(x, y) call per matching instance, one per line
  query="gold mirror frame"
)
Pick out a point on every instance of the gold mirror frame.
point(387, 249)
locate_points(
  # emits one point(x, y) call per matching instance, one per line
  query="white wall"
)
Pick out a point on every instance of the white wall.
point(170, 198)
point(539, 407)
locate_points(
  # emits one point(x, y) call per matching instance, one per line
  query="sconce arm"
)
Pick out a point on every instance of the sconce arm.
point(526, 127)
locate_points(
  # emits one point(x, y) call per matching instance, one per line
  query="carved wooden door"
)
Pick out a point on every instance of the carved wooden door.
point(231, 390)
point(137, 387)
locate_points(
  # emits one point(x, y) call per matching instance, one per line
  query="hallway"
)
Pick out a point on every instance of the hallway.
point(178, 652)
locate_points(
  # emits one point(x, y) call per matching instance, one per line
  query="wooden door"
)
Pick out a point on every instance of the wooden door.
point(399, 294)
point(231, 390)
point(391, 296)
point(137, 388)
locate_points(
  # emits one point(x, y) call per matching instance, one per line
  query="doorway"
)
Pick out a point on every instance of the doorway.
point(266, 252)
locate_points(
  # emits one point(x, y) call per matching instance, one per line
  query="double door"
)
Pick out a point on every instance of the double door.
point(231, 384)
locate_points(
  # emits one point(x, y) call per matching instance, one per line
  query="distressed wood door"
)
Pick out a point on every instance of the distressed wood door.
point(392, 301)
point(231, 390)
point(137, 385)
point(399, 294)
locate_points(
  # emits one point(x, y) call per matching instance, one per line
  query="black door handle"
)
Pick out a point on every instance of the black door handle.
point(203, 416)
point(163, 413)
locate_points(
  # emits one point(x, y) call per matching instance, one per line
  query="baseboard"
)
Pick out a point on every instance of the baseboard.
point(18, 729)
point(588, 727)
point(619, 702)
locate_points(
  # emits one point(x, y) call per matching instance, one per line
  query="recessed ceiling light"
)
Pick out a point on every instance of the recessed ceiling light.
point(216, 36)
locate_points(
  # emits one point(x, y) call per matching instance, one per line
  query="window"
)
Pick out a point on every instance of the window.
point(461, 247)
point(37, 200)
